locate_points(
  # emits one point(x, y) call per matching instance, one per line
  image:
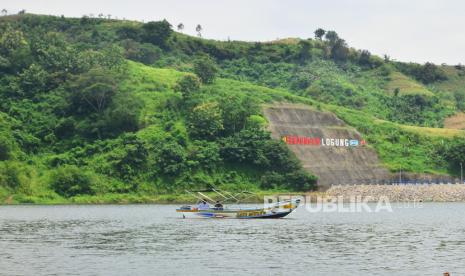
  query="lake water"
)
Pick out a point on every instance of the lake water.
point(154, 240)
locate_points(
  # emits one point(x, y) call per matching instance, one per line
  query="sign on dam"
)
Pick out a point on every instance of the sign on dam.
point(327, 147)
point(327, 142)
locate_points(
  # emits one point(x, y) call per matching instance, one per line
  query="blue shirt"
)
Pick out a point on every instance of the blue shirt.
point(203, 206)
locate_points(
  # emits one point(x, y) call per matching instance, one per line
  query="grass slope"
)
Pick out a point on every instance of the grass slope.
point(406, 85)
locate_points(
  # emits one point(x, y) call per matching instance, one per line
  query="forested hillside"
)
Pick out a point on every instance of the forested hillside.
point(100, 110)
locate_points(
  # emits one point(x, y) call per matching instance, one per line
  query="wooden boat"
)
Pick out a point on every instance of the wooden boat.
point(208, 209)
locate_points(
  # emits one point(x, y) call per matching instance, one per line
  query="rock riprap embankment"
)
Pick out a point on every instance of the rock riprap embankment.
point(402, 193)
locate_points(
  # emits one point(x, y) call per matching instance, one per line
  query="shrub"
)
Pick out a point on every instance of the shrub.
point(205, 68)
point(121, 116)
point(427, 73)
point(271, 180)
point(6, 147)
point(187, 85)
point(172, 159)
point(129, 32)
point(146, 53)
point(279, 157)
point(10, 175)
point(246, 147)
point(70, 181)
point(205, 154)
point(300, 180)
point(129, 157)
point(157, 32)
point(256, 122)
point(205, 121)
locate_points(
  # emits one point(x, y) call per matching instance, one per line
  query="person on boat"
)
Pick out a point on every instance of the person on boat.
point(203, 205)
point(218, 205)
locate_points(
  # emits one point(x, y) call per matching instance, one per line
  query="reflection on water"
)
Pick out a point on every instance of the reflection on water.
point(153, 240)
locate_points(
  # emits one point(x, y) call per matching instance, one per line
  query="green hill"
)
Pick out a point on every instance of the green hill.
point(97, 110)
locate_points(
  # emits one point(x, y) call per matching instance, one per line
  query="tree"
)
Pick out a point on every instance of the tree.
point(206, 121)
point(129, 32)
point(304, 51)
point(146, 53)
point(121, 116)
point(236, 110)
point(32, 80)
point(205, 68)
point(171, 159)
point(7, 140)
point(453, 152)
point(157, 32)
point(11, 40)
point(386, 58)
point(429, 73)
point(365, 58)
point(22, 12)
point(319, 33)
point(198, 29)
point(187, 85)
point(339, 50)
point(246, 146)
point(205, 154)
point(129, 157)
point(332, 37)
point(56, 55)
point(92, 91)
point(4, 12)
point(5, 149)
point(180, 27)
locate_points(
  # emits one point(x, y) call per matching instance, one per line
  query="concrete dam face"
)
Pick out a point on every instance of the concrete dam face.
point(326, 146)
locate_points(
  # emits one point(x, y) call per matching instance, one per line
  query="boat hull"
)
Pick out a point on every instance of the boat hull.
point(276, 210)
point(237, 214)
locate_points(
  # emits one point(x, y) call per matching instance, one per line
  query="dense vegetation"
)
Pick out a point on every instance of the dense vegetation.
point(94, 107)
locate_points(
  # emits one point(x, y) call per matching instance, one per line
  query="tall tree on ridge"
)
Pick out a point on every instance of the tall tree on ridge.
point(180, 27)
point(319, 33)
point(198, 29)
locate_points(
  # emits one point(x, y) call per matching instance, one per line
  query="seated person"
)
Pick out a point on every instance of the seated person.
point(218, 205)
point(203, 205)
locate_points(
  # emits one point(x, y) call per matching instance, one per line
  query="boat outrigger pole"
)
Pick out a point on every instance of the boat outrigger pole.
point(229, 194)
point(207, 197)
point(220, 194)
point(200, 198)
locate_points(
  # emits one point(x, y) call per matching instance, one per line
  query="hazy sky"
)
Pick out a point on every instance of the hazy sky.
point(407, 30)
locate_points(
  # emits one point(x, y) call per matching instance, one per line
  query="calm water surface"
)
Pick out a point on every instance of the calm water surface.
point(153, 240)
